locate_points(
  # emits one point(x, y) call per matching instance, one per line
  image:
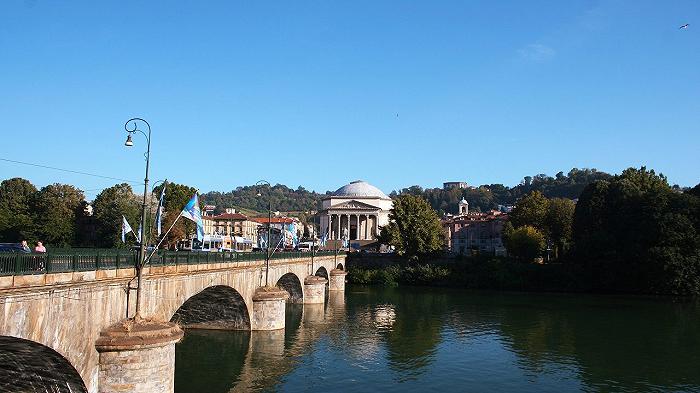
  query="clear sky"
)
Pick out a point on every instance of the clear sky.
point(320, 93)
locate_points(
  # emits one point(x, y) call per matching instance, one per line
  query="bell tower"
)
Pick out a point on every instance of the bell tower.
point(463, 207)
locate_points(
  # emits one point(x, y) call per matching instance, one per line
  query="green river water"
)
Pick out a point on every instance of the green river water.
point(448, 340)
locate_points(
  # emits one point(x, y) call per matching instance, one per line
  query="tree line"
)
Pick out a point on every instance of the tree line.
point(490, 196)
point(631, 232)
point(59, 216)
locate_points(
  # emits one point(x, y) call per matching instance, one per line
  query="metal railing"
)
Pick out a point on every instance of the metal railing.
point(80, 260)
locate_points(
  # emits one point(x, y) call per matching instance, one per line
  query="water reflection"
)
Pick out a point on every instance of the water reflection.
point(421, 339)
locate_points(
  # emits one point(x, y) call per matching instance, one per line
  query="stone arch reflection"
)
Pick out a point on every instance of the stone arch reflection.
point(27, 366)
point(291, 283)
point(219, 307)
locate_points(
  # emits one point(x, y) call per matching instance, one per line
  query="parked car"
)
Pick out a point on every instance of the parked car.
point(11, 247)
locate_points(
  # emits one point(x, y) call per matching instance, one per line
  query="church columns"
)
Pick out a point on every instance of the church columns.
point(338, 234)
point(367, 226)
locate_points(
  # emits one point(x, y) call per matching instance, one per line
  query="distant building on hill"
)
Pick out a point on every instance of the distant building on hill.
point(454, 184)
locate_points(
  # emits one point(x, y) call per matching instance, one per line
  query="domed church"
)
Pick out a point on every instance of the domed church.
point(355, 210)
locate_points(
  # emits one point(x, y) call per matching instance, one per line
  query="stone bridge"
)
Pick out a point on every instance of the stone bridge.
point(78, 321)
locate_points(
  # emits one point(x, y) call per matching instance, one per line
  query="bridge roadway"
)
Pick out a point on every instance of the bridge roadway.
point(81, 315)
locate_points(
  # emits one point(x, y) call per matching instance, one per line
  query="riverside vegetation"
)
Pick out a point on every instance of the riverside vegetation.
point(630, 233)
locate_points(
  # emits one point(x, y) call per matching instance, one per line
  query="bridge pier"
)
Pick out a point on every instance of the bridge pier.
point(314, 290)
point(337, 280)
point(137, 357)
point(268, 308)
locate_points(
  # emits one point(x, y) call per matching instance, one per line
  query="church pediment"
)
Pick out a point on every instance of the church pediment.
point(353, 205)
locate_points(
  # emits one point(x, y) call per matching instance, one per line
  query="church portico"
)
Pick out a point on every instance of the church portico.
point(355, 212)
point(358, 226)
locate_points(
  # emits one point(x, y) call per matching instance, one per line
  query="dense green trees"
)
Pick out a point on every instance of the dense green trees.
point(176, 196)
point(108, 208)
point(552, 218)
point(48, 215)
point(525, 242)
point(635, 233)
point(16, 210)
point(282, 197)
point(56, 212)
point(414, 228)
point(489, 196)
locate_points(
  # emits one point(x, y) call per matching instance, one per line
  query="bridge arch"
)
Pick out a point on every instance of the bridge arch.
point(291, 283)
point(218, 307)
point(322, 272)
point(28, 366)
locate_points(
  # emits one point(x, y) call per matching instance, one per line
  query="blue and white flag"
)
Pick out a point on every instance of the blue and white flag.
point(291, 228)
point(191, 211)
point(126, 228)
point(159, 212)
point(323, 240)
point(138, 235)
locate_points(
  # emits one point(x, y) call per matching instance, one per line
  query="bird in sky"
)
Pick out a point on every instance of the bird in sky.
point(685, 26)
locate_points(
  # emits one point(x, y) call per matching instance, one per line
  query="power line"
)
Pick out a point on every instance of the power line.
point(69, 171)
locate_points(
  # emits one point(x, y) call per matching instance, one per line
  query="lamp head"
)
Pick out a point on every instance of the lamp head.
point(129, 142)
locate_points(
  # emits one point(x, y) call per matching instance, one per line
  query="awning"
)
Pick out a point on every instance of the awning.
point(239, 239)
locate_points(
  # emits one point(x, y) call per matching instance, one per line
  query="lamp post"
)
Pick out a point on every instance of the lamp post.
point(131, 127)
point(269, 226)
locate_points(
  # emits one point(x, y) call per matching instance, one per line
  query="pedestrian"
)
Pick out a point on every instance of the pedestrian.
point(25, 246)
point(39, 247)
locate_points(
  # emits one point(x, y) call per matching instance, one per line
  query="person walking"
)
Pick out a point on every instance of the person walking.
point(25, 246)
point(39, 247)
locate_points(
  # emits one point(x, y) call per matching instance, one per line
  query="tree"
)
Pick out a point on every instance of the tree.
point(109, 207)
point(560, 216)
point(530, 210)
point(525, 242)
point(17, 199)
point(176, 196)
point(56, 208)
point(635, 233)
point(414, 228)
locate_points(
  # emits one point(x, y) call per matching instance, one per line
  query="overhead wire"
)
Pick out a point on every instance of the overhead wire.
point(69, 170)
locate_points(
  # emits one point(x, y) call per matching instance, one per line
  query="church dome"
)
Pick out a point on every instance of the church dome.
point(360, 188)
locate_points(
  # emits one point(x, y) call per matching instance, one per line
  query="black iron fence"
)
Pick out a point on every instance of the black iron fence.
point(79, 260)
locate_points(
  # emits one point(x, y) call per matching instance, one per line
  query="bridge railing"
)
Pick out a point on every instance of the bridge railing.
point(71, 260)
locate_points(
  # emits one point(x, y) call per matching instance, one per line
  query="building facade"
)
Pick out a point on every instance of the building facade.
point(355, 212)
point(236, 231)
point(474, 233)
point(454, 184)
point(284, 231)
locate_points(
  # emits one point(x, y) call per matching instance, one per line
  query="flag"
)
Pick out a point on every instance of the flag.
point(159, 212)
point(323, 240)
point(138, 235)
point(291, 228)
point(192, 212)
point(126, 228)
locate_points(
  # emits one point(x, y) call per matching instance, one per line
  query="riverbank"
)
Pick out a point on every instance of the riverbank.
point(474, 273)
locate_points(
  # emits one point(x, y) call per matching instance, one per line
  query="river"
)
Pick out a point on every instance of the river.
point(451, 340)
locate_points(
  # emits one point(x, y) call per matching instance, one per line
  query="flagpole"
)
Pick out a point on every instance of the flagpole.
point(161, 241)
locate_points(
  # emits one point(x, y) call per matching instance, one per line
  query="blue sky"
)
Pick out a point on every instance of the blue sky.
point(321, 93)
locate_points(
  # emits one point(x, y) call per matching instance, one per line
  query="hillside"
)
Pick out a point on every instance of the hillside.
point(481, 198)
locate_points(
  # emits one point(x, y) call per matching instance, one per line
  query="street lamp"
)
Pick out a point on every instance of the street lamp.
point(269, 225)
point(131, 127)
